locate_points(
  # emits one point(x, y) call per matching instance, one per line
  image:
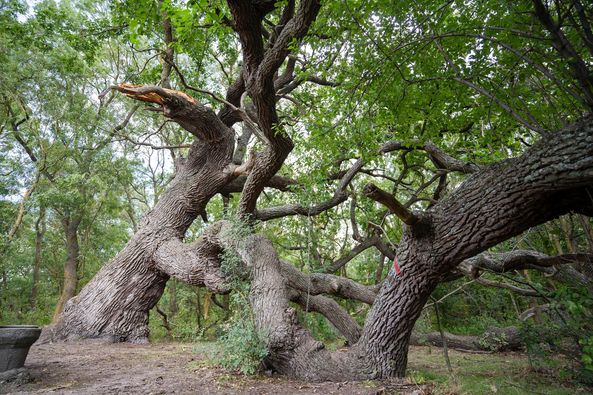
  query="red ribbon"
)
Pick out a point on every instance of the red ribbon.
point(396, 267)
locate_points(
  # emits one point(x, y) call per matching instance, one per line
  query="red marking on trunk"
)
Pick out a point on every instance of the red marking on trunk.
point(396, 266)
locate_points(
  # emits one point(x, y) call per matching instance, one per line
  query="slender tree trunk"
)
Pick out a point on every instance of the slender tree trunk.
point(39, 234)
point(555, 240)
point(71, 224)
point(198, 308)
point(173, 308)
point(379, 272)
point(568, 230)
point(588, 230)
point(4, 286)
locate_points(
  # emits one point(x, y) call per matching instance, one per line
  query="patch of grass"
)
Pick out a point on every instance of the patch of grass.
point(197, 365)
point(503, 373)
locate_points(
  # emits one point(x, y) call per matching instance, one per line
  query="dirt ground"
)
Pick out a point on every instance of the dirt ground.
point(175, 368)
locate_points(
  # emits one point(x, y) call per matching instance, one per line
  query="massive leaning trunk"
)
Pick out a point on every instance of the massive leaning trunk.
point(115, 304)
point(552, 178)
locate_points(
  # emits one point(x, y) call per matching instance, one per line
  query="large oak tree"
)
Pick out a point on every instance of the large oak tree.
point(495, 201)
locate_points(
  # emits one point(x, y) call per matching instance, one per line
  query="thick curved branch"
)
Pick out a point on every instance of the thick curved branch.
point(445, 161)
point(196, 263)
point(556, 266)
point(521, 259)
point(331, 310)
point(440, 158)
point(194, 117)
point(268, 213)
point(321, 283)
point(362, 246)
point(551, 178)
point(229, 114)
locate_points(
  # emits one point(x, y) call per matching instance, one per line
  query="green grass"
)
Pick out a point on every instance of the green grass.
point(502, 373)
point(473, 374)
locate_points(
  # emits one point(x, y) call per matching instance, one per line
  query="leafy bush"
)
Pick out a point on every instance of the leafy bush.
point(241, 348)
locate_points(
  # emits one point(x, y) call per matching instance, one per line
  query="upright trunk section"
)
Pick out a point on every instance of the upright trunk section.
point(39, 234)
point(71, 224)
point(392, 317)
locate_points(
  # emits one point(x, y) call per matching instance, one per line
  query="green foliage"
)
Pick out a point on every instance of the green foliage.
point(494, 342)
point(503, 373)
point(393, 82)
point(241, 347)
point(566, 329)
point(476, 309)
point(231, 263)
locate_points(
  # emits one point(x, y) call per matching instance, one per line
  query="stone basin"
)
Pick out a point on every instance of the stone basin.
point(15, 341)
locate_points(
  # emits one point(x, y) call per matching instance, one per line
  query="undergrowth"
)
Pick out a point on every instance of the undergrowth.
point(240, 347)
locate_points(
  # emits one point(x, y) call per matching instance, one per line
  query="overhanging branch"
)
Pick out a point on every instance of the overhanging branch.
point(339, 196)
point(385, 198)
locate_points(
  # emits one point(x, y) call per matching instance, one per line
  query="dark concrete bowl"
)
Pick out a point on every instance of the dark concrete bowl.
point(15, 341)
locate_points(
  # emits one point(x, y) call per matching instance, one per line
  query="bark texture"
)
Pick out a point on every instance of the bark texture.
point(115, 304)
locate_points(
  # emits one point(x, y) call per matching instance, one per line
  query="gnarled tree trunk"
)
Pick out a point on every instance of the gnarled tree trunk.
point(552, 178)
point(115, 304)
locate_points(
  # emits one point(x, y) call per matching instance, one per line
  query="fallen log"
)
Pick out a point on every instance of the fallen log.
point(493, 339)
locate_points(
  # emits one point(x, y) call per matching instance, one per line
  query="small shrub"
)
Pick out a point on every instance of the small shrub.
point(494, 342)
point(241, 348)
